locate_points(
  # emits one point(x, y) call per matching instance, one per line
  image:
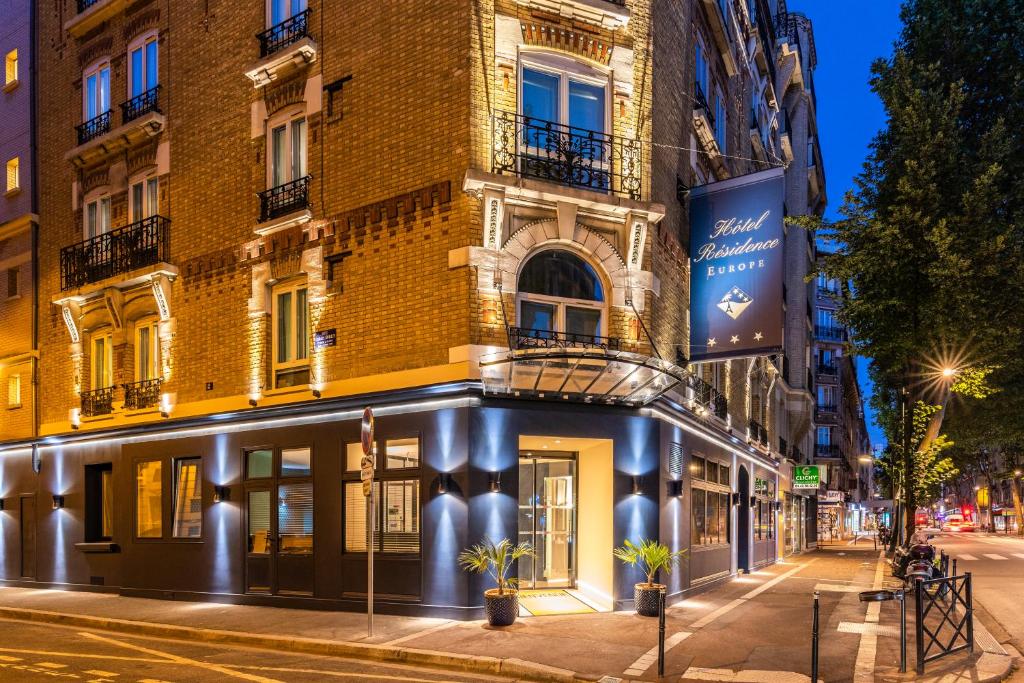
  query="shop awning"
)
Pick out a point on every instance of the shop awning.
point(591, 375)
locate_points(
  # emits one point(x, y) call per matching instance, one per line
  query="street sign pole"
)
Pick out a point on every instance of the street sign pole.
point(366, 469)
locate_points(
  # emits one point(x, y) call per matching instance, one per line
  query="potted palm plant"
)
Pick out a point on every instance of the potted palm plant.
point(650, 556)
point(501, 604)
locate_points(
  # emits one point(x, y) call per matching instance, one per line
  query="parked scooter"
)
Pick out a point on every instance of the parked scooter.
point(915, 561)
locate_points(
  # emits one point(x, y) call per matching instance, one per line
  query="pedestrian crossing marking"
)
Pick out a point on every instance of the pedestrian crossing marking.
point(969, 558)
point(994, 557)
point(1019, 556)
point(50, 665)
point(5, 658)
point(101, 674)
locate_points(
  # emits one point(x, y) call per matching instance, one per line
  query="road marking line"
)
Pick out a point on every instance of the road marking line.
point(50, 665)
point(708, 618)
point(751, 676)
point(46, 653)
point(969, 558)
point(831, 587)
point(862, 628)
point(1019, 556)
point(178, 659)
point(101, 673)
point(778, 579)
point(644, 662)
point(377, 676)
point(424, 632)
point(992, 556)
point(864, 668)
point(5, 658)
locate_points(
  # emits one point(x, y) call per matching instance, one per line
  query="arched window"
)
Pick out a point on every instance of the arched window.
point(560, 292)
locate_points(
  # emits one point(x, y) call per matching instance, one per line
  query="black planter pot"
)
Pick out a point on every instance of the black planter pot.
point(645, 598)
point(501, 610)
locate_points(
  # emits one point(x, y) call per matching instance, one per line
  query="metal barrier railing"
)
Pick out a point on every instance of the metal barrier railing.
point(947, 600)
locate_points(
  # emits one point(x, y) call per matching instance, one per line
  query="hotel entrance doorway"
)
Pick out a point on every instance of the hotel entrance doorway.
point(547, 519)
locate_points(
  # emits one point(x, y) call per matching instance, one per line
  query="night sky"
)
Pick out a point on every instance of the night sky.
point(848, 36)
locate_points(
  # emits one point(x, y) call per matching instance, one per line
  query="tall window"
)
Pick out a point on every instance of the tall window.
point(102, 360)
point(188, 498)
point(13, 391)
point(11, 63)
point(149, 499)
point(13, 179)
point(282, 10)
point(291, 335)
point(13, 288)
point(397, 487)
point(144, 198)
point(287, 151)
point(721, 126)
point(143, 74)
point(560, 292)
point(97, 217)
point(824, 436)
point(577, 99)
point(147, 350)
point(99, 502)
point(96, 92)
point(826, 396)
point(710, 502)
point(826, 317)
point(701, 67)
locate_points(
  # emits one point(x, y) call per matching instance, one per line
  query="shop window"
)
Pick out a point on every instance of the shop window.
point(711, 502)
point(353, 457)
point(560, 292)
point(11, 70)
point(402, 453)
point(102, 360)
point(13, 282)
point(697, 467)
point(143, 74)
point(397, 523)
point(259, 464)
point(13, 175)
point(188, 498)
point(149, 499)
point(14, 391)
point(147, 350)
point(144, 198)
point(291, 335)
point(295, 462)
point(99, 502)
point(295, 518)
point(96, 90)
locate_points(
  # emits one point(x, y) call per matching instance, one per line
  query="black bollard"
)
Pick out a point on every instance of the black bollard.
point(954, 566)
point(661, 633)
point(902, 597)
point(814, 642)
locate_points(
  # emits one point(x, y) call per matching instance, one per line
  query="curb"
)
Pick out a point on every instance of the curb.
point(517, 668)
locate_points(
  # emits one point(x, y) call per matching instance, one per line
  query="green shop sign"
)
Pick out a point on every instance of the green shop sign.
point(806, 477)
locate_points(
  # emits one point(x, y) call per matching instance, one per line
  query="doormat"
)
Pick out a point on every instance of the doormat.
point(541, 603)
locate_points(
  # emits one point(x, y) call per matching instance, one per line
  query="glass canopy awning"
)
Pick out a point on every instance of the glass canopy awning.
point(591, 375)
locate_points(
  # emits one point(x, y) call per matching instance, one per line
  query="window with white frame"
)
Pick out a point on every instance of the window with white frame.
point(564, 91)
point(291, 334)
point(144, 198)
point(97, 216)
point(286, 155)
point(279, 11)
point(96, 90)
point(560, 292)
point(826, 397)
point(14, 390)
point(102, 360)
point(11, 63)
point(147, 350)
point(13, 175)
point(143, 66)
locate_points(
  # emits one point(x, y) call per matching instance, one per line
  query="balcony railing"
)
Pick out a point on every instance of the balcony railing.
point(93, 128)
point(85, 4)
point(97, 402)
point(141, 104)
point(826, 450)
point(706, 395)
point(534, 148)
point(700, 101)
point(797, 455)
point(758, 433)
point(143, 243)
point(289, 31)
point(524, 338)
point(827, 412)
point(830, 333)
point(828, 369)
point(284, 199)
point(142, 394)
point(783, 446)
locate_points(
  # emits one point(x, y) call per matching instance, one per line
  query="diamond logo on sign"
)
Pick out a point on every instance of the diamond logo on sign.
point(806, 477)
point(735, 302)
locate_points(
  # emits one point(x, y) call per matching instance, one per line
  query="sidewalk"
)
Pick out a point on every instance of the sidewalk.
point(752, 628)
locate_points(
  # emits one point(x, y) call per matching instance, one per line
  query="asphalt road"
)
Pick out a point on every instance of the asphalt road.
point(37, 652)
point(996, 564)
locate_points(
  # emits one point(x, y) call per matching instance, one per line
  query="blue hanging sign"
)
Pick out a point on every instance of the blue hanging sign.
point(736, 266)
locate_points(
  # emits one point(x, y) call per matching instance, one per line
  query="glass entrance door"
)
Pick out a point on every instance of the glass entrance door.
point(547, 519)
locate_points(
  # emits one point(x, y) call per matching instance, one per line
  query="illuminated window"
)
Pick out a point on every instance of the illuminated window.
point(295, 462)
point(560, 292)
point(279, 11)
point(13, 391)
point(102, 360)
point(295, 518)
point(287, 153)
point(291, 335)
point(99, 502)
point(188, 498)
point(13, 176)
point(97, 216)
point(149, 499)
point(144, 198)
point(147, 350)
point(402, 453)
point(96, 90)
point(397, 524)
point(143, 74)
point(11, 62)
point(710, 502)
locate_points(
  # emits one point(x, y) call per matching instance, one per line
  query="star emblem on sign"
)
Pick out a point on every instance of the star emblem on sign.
point(735, 339)
point(758, 336)
point(712, 341)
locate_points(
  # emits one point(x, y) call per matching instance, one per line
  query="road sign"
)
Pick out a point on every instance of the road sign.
point(806, 477)
point(366, 432)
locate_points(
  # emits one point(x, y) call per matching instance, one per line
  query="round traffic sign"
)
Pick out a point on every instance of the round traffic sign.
point(366, 433)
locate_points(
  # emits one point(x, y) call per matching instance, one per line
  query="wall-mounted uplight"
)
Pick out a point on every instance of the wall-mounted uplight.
point(75, 418)
point(253, 402)
point(638, 485)
point(494, 482)
point(735, 498)
point(675, 488)
point(58, 502)
point(221, 494)
point(316, 393)
point(445, 483)
point(165, 405)
point(753, 501)
point(1, 504)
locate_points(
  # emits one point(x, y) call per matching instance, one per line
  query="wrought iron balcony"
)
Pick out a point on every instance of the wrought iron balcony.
point(758, 433)
point(141, 104)
point(826, 413)
point(289, 31)
point(700, 103)
point(284, 199)
point(93, 128)
point(523, 338)
point(85, 4)
point(830, 333)
point(828, 369)
point(97, 402)
point(142, 394)
point(706, 395)
point(143, 243)
point(534, 148)
point(827, 450)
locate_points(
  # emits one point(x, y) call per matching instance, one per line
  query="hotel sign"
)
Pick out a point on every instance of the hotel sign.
point(736, 266)
point(806, 477)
